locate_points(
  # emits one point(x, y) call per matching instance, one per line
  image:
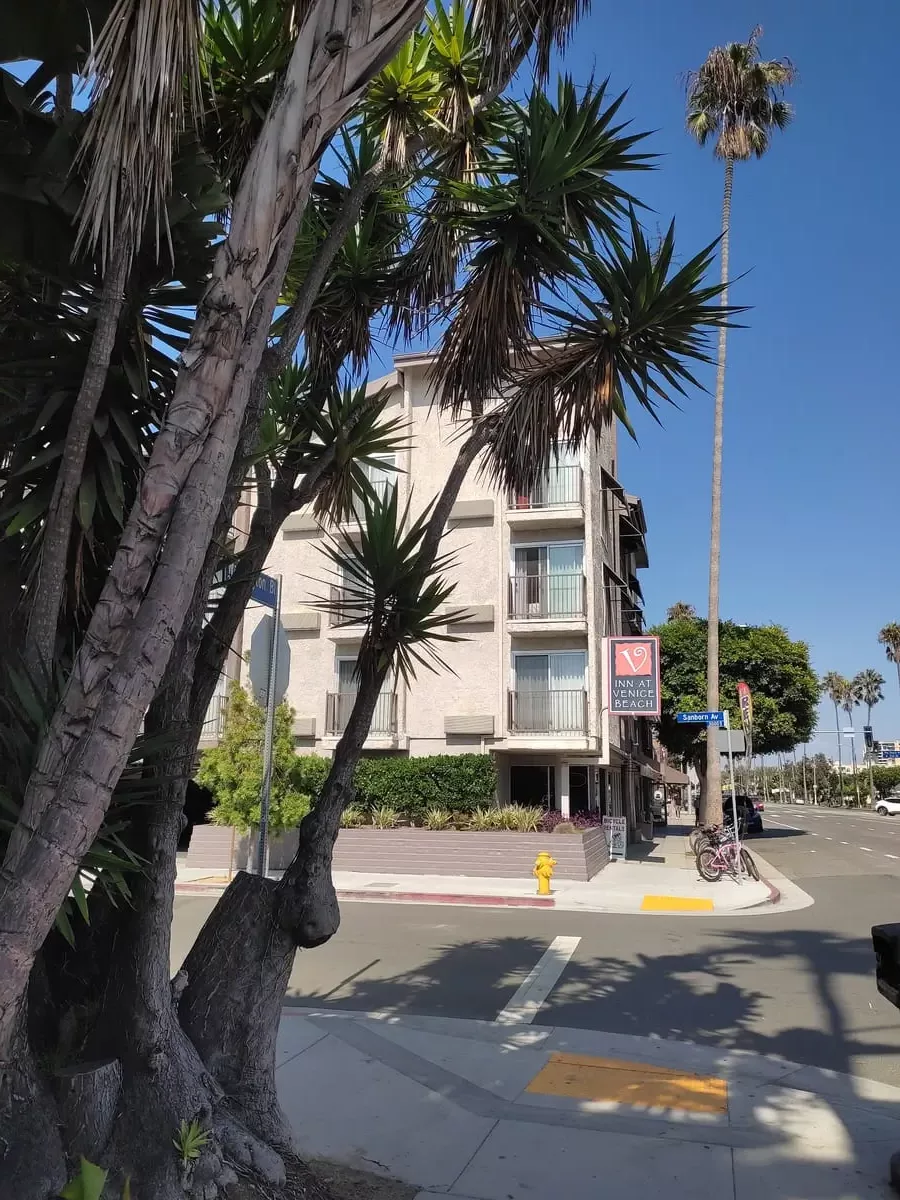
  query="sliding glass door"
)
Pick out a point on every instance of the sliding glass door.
point(549, 692)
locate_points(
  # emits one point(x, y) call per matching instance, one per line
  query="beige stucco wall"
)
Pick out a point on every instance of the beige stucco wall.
point(480, 665)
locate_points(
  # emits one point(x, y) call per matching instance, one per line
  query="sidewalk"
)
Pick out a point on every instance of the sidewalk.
point(658, 877)
point(469, 1110)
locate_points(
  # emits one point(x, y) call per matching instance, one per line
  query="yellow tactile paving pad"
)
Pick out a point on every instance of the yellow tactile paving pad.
point(636, 1084)
point(676, 904)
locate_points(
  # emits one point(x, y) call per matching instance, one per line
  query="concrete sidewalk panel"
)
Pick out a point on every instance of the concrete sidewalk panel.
point(502, 1070)
point(295, 1035)
point(346, 1106)
point(580, 1165)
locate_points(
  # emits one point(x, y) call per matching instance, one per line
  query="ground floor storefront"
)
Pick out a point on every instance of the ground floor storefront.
point(574, 785)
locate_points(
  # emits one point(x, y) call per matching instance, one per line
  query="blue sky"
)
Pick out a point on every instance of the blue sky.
point(812, 428)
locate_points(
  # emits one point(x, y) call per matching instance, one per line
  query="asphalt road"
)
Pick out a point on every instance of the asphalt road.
point(798, 984)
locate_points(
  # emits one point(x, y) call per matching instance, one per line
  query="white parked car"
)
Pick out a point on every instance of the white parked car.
point(888, 807)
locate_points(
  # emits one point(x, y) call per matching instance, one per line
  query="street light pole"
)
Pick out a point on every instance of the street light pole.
point(805, 792)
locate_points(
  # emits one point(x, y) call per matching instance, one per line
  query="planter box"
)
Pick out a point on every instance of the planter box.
point(420, 852)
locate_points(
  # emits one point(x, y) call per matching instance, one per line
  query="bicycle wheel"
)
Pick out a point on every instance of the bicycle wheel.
point(748, 864)
point(694, 838)
point(706, 865)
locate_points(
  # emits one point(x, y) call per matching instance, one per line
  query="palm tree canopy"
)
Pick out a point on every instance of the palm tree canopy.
point(889, 637)
point(735, 97)
point(868, 687)
point(834, 686)
point(680, 611)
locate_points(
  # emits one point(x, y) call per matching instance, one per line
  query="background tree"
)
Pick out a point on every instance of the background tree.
point(889, 637)
point(868, 685)
point(849, 701)
point(885, 779)
point(681, 612)
point(764, 656)
point(835, 687)
point(733, 99)
point(232, 771)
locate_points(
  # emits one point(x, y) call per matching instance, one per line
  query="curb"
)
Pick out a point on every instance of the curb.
point(476, 901)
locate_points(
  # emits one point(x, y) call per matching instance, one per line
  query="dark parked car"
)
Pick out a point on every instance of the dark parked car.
point(749, 812)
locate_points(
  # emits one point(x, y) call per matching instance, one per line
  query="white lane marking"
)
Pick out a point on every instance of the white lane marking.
point(845, 843)
point(890, 856)
point(781, 824)
point(868, 849)
point(828, 839)
point(541, 980)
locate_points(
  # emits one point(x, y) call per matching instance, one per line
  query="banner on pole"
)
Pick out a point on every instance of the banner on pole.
point(745, 699)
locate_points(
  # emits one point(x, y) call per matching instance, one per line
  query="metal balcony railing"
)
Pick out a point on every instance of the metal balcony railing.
point(214, 721)
point(549, 711)
point(380, 488)
point(343, 610)
point(339, 705)
point(545, 597)
point(558, 487)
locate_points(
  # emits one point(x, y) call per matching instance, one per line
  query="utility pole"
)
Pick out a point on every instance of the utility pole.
point(815, 786)
point(805, 792)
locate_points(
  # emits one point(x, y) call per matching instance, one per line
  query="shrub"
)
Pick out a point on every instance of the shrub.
point(459, 782)
point(309, 773)
point(385, 817)
point(483, 818)
point(353, 817)
point(565, 827)
point(437, 818)
point(525, 820)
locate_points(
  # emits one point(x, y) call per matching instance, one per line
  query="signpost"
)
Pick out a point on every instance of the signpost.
point(702, 718)
point(719, 719)
point(272, 698)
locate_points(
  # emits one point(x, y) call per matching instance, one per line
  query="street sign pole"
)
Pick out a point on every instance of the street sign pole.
point(734, 812)
point(262, 850)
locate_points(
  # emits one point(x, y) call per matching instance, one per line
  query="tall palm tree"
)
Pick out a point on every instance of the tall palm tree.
point(680, 611)
point(734, 99)
point(869, 687)
point(834, 686)
point(889, 637)
point(849, 701)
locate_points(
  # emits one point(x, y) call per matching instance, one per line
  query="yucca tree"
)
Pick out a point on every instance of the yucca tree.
point(836, 687)
point(734, 100)
point(889, 637)
point(868, 687)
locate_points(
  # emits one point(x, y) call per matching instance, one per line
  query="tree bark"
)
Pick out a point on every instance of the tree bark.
point(152, 579)
point(47, 597)
point(712, 801)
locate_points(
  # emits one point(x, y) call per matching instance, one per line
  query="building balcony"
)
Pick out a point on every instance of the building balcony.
point(339, 706)
point(548, 712)
point(556, 499)
point(545, 603)
point(213, 727)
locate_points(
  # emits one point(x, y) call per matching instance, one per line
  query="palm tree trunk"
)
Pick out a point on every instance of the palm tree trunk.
point(47, 598)
point(712, 814)
point(837, 726)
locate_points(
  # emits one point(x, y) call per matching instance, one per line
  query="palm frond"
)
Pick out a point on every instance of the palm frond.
point(384, 580)
point(511, 30)
point(736, 97)
point(145, 69)
point(548, 197)
point(641, 322)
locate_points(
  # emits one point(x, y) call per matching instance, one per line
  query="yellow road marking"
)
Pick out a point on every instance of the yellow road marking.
point(636, 1084)
point(676, 904)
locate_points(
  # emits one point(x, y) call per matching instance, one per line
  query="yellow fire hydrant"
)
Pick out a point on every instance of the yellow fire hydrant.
point(543, 872)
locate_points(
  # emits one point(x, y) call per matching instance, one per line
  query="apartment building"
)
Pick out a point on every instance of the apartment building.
point(542, 577)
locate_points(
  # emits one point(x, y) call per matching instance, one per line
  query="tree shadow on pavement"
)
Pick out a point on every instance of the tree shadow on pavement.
point(714, 996)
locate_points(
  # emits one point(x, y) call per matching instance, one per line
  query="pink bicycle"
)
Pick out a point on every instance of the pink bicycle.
point(714, 860)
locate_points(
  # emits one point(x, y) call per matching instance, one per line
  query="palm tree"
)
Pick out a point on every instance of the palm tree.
point(681, 612)
point(835, 686)
point(849, 701)
point(889, 637)
point(869, 687)
point(733, 98)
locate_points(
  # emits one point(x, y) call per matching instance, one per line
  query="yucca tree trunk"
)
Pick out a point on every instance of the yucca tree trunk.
point(712, 804)
point(47, 597)
point(120, 666)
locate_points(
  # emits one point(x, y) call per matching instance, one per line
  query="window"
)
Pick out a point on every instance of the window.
point(548, 581)
point(381, 475)
point(549, 692)
point(340, 703)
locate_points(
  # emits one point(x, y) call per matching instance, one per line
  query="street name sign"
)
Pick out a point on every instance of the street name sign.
point(700, 718)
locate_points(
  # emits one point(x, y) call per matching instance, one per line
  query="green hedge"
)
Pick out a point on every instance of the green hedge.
point(459, 782)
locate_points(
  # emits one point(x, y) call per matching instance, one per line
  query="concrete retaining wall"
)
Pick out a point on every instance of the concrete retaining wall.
point(419, 852)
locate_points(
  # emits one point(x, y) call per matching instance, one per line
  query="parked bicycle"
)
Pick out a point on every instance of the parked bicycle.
point(721, 855)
